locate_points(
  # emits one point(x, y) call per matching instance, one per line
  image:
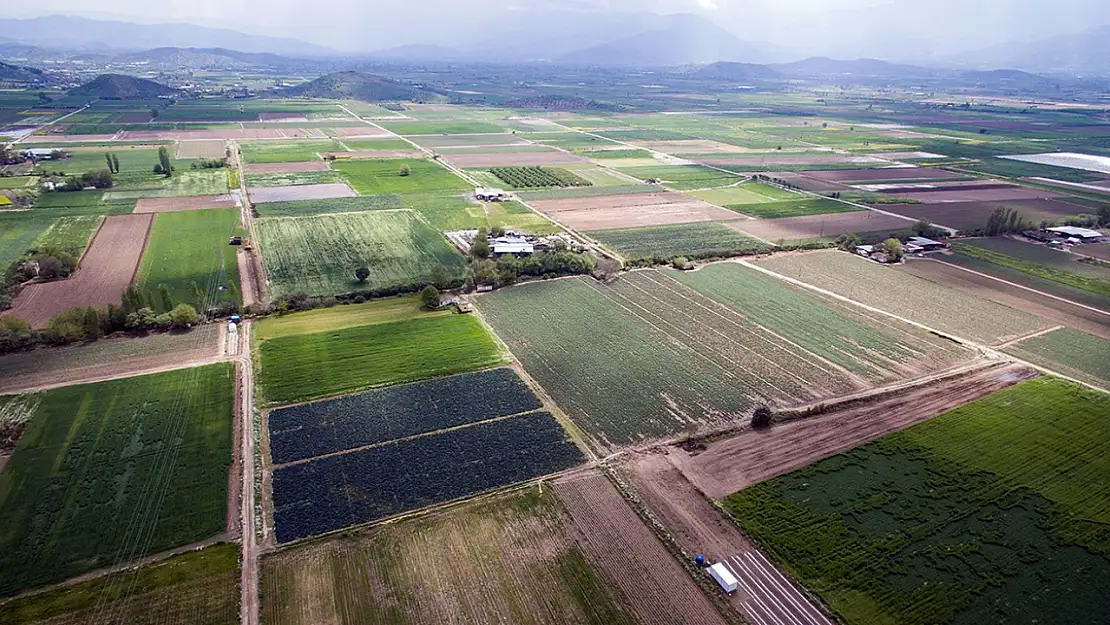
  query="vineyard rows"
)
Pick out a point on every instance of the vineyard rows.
point(309, 430)
point(536, 177)
point(330, 493)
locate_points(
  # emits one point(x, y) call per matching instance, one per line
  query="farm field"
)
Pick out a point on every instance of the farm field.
point(535, 177)
point(342, 317)
point(287, 167)
point(683, 177)
point(286, 151)
point(973, 216)
point(793, 208)
point(1070, 352)
point(303, 192)
point(291, 179)
point(697, 240)
point(1041, 262)
point(408, 129)
point(1024, 497)
point(107, 268)
point(1037, 282)
point(512, 159)
point(189, 255)
point(821, 226)
point(71, 234)
point(307, 366)
point(384, 176)
point(402, 411)
point(194, 588)
point(171, 204)
point(18, 232)
point(183, 183)
point(630, 210)
point(120, 356)
point(123, 468)
point(373, 483)
point(515, 558)
point(696, 363)
point(318, 255)
point(918, 300)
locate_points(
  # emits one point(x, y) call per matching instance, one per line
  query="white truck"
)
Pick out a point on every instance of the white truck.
point(724, 577)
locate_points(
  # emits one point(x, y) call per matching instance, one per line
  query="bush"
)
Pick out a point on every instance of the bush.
point(430, 297)
point(762, 418)
point(405, 170)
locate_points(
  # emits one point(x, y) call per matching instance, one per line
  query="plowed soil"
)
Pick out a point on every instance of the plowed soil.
point(733, 464)
point(974, 215)
point(629, 211)
point(895, 173)
point(660, 591)
point(195, 202)
point(366, 154)
point(209, 148)
point(365, 132)
point(218, 133)
point(758, 161)
point(510, 159)
point(814, 226)
point(302, 192)
point(107, 268)
point(973, 193)
point(287, 168)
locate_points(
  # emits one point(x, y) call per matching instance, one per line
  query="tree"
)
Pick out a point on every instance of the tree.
point(183, 316)
point(362, 274)
point(406, 170)
point(430, 297)
point(893, 249)
point(165, 162)
point(133, 299)
point(763, 417)
point(90, 322)
point(1004, 220)
point(680, 263)
point(848, 241)
point(480, 247)
point(198, 294)
point(108, 159)
point(484, 271)
point(165, 298)
point(1104, 215)
point(154, 113)
point(441, 278)
point(115, 163)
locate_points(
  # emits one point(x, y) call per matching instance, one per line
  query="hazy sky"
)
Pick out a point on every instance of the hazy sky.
point(946, 25)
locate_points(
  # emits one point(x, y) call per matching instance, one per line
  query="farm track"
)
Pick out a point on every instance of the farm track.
point(249, 605)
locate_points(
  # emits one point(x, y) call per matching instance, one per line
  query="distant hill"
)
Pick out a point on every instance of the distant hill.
point(823, 67)
point(1085, 53)
point(175, 59)
point(563, 103)
point(16, 74)
point(422, 52)
point(686, 40)
point(122, 87)
point(366, 87)
point(736, 72)
point(79, 33)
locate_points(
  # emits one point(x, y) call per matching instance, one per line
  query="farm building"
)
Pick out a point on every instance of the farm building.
point(1083, 234)
point(517, 246)
point(492, 195)
point(40, 154)
point(926, 245)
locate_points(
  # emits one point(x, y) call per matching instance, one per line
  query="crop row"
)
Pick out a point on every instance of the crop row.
point(535, 177)
point(308, 430)
point(347, 489)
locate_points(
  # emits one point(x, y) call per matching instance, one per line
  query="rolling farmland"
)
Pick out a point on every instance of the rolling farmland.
point(1069, 352)
point(318, 255)
point(378, 177)
point(514, 558)
point(1007, 508)
point(369, 313)
point(307, 366)
point(189, 254)
point(373, 483)
point(123, 468)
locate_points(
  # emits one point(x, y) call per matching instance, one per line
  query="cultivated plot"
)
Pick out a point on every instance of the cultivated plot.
point(632, 210)
point(189, 255)
point(1069, 352)
point(301, 192)
point(821, 226)
point(693, 241)
point(170, 204)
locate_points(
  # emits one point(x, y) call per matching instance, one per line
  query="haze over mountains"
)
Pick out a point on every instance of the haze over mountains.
point(614, 38)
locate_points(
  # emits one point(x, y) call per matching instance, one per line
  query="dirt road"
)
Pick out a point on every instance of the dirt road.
point(248, 604)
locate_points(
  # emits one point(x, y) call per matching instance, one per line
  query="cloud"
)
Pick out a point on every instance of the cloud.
point(709, 5)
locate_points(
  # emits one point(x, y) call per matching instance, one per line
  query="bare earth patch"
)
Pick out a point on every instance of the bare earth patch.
point(734, 464)
point(509, 159)
point(302, 192)
point(629, 211)
point(888, 173)
point(694, 146)
point(195, 202)
point(217, 133)
point(282, 117)
point(757, 162)
point(287, 168)
point(368, 154)
point(659, 589)
point(361, 132)
point(205, 148)
point(107, 268)
point(815, 226)
point(972, 192)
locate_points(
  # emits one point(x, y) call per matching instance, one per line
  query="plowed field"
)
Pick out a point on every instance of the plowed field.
point(817, 226)
point(287, 168)
point(197, 202)
point(107, 268)
point(627, 211)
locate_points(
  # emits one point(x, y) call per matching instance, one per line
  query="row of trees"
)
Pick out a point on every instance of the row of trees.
point(165, 165)
point(113, 162)
point(99, 179)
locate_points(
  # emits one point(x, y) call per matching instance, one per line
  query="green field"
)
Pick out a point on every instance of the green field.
point(189, 254)
point(14, 182)
point(1066, 276)
point(318, 255)
point(183, 182)
point(683, 177)
point(96, 202)
point(747, 193)
point(342, 317)
point(378, 177)
point(71, 234)
point(18, 232)
point(292, 178)
point(441, 128)
point(194, 588)
point(1044, 255)
point(369, 145)
point(132, 160)
point(308, 366)
point(980, 516)
point(662, 243)
point(287, 151)
point(1069, 352)
point(113, 471)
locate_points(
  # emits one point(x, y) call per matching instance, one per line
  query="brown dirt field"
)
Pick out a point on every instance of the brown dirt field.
point(812, 185)
point(509, 159)
point(365, 131)
point(67, 138)
point(282, 117)
point(286, 168)
point(1100, 251)
point(302, 192)
point(219, 134)
point(759, 162)
point(974, 215)
point(195, 202)
point(895, 173)
point(978, 193)
point(470, 140)
point(1044, 307)
point(133, 118)
point(247, 279)
point(694, 146)
point(629, 211)
point(734, 464)
point(767, 595)
point(107, 268)
point(207, 148)
point(370, 154)
point(659, 589)
point(107, 358)
point(815, 226)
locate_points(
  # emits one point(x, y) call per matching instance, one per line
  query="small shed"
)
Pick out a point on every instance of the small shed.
point(724, 577)
point(491, 195)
